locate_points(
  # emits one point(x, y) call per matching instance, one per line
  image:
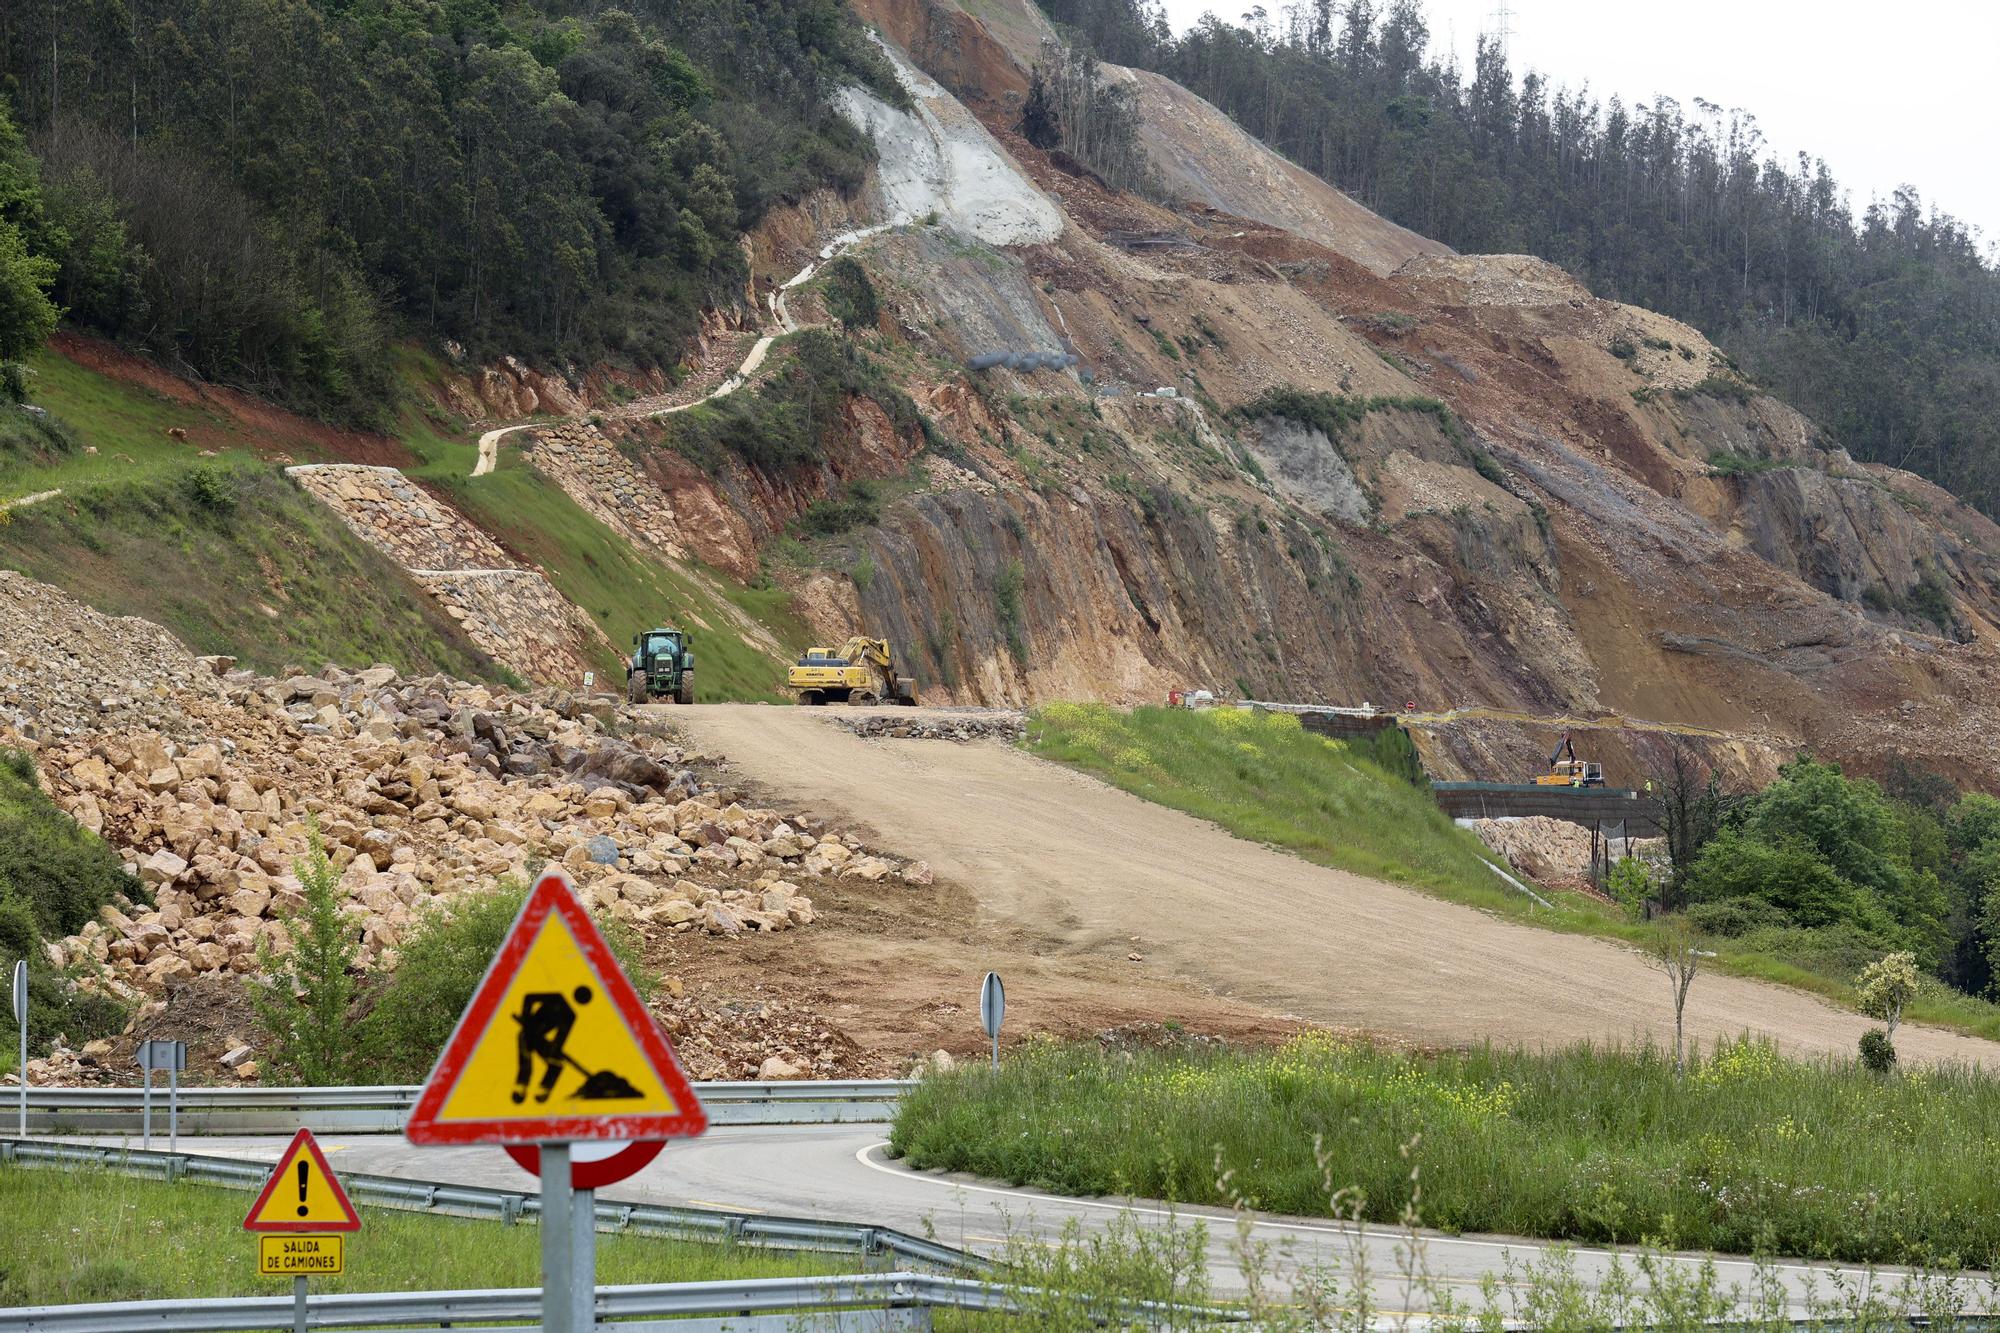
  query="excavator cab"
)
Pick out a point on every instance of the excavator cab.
point(859, 672)
point(1566, 770)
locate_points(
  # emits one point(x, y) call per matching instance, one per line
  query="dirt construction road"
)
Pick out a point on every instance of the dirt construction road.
point(1090, 869)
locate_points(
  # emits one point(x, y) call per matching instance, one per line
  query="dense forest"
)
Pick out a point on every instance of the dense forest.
point(1883, 327)
point(267, 192)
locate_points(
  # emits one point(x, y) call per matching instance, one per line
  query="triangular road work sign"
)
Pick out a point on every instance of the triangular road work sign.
point(302, 1194)
point(555, 1045)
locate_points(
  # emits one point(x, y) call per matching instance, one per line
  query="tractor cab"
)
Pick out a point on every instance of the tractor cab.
point(662, 667)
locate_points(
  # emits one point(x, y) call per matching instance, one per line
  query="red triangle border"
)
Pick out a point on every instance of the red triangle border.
point(303, 1137)
point(552, 893)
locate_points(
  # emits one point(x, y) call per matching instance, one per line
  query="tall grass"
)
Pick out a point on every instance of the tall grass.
point(76, 1236)
point(1749, 1153)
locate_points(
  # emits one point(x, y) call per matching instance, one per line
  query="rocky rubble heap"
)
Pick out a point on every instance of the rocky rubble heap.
point(65, 669)
point(969, 725)
point(1547, 850)
point(422, 790)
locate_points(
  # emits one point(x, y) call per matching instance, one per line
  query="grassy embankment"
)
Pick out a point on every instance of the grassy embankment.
point(225, 551)
point(283, 581)
point(1749, 1153)
point(1266, 779)
point(149, 1240)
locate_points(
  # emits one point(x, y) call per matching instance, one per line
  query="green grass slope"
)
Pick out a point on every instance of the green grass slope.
point(1748, 1153)
point(224, 550)
point(150, 1240)
point(1265, 778)
point(627, 589)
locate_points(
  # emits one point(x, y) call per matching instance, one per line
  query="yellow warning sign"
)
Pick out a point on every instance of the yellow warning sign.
point(555, 1045)
point(301, 1256)
point(302, 1194)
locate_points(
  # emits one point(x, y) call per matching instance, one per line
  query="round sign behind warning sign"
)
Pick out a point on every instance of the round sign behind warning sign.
point(592, 1165)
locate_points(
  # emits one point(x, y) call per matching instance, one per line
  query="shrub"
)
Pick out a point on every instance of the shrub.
point(1878, 1053)
point(443, 959)
point(1623, 349)
point(62, 872)
point(859, 507)
point(211, 487)
point(850, 296)
point(1724, 387)
point(1630, 884)
point(1007, 607)
point(303, 1001)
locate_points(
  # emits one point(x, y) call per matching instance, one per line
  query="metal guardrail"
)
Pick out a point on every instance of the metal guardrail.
point(509, 1206)
point(868, 1301)
point(383, 1109)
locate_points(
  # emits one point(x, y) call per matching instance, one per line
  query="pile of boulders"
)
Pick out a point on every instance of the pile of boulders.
point(1549, 851)
point(420, 790)
point(65, 669)
point(972, 724)
point(64, 1067)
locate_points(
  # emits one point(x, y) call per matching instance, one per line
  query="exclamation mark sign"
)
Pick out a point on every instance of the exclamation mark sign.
point(302, 1189)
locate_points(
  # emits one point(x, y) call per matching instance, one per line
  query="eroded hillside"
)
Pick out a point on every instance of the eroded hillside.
point(1384, 472)
point(1056, 440)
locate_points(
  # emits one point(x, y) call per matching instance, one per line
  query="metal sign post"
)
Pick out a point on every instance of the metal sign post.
point(569, 1247)
point(171, 1056)
point(992, 1009)
point(20, 997)
point(556, 1050)
point(301, 1195)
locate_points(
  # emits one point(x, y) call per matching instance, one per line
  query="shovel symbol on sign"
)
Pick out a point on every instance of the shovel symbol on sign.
point(546, 1019)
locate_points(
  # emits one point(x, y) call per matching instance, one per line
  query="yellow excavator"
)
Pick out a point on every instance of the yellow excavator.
point(859, 672)
point(1570, 772)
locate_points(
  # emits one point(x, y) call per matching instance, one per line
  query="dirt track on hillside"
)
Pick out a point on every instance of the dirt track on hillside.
point(1093, 871)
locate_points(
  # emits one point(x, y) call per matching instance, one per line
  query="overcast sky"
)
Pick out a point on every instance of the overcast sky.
point(1887, 94)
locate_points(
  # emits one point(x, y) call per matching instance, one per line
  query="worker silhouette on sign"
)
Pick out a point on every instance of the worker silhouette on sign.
point(546, 1019)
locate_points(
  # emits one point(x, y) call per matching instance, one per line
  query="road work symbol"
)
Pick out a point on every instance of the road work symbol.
point(546, 1019)
point(555, 1045)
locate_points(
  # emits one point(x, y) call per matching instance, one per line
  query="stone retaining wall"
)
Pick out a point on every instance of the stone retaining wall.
point(607, 486)
point(519, 619)
point(398, 517)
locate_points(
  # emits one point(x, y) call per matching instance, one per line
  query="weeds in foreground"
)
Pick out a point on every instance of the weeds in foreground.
point(1747, 1153)
point(1128, 1276)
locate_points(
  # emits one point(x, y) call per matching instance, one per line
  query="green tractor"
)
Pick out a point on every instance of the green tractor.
point(662, 667)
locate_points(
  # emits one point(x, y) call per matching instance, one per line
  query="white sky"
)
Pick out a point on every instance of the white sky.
point(1887, 94)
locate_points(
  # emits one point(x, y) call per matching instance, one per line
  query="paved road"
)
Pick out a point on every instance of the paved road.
point(840, 1172)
